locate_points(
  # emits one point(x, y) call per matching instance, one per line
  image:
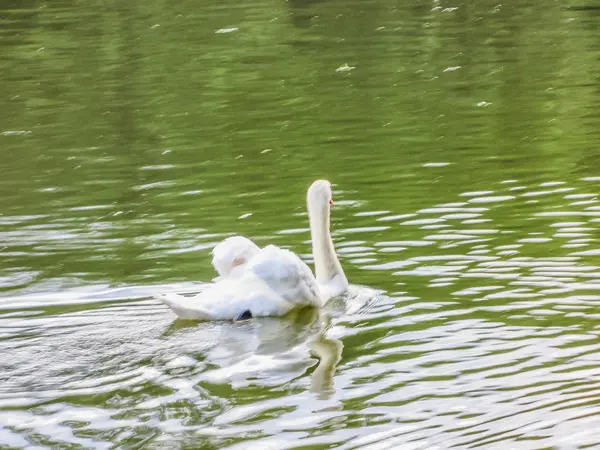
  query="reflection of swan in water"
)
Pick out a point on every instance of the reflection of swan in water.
point(329, 352)
point(271, 351)
point(328, 349)
point(267, 351)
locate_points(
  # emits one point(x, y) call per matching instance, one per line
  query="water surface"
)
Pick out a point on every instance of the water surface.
point(462, 140)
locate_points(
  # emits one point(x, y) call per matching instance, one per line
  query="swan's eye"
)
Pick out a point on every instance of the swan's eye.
point(331, 201)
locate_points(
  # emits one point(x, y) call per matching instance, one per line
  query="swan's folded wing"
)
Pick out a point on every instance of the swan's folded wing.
point(286, 274)
point(309, 286)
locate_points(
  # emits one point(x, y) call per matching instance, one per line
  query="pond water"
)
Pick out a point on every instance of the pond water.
point(462, 139)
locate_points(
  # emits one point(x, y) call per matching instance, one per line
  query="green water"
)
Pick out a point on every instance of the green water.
point(463, 142)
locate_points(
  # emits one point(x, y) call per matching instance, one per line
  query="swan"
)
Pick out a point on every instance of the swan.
point(271, 281)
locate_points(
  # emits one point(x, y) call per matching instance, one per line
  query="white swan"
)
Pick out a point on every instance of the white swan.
point(270, 281)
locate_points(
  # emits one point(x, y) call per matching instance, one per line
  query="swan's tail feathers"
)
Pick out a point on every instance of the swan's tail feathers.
point(181, 306)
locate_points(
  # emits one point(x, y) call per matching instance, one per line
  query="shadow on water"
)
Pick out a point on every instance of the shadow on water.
point(301, 12)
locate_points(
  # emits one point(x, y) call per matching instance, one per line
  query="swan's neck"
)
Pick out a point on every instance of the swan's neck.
point(327, 265)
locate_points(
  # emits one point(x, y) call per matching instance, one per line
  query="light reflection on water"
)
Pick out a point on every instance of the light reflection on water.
point(503, 347)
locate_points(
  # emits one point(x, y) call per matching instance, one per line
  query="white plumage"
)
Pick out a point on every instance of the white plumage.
point(231, 255)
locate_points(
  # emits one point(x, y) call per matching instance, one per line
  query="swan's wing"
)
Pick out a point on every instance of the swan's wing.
point(286, 274)
point(233, 253)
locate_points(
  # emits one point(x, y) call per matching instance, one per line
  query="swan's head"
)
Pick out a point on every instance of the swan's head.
point(319, 195)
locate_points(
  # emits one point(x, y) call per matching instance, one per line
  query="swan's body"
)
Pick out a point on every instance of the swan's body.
point(271, 281)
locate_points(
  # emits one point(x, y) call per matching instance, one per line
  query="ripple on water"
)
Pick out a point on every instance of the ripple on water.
point(484, 339)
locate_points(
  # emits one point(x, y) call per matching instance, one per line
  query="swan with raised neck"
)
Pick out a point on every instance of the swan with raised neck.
point(328, 271)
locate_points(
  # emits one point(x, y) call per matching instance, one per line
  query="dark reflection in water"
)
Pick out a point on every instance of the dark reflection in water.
point(301, 12)
point(462, 140)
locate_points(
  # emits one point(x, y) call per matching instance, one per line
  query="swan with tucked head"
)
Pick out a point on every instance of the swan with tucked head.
point(270, 281)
